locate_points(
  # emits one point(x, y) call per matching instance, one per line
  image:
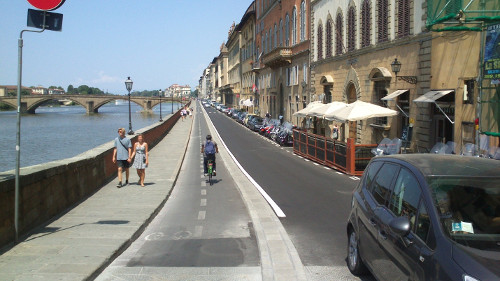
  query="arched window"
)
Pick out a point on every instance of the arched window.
point(320, 41)
point(270, 41)
point(281, 33)
point(383, 20)
point(275, 36)
point(351, 29)
point(328, 42)
point(403, 18)
point(265, 44)
point(303, 21)
point(366, 27)
point(339, 35)
point(294, 26)
point(287, 30)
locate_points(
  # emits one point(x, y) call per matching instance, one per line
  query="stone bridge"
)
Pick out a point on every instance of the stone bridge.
point(91, 103)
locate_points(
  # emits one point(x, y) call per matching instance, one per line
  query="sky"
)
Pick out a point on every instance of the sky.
point(156, 42)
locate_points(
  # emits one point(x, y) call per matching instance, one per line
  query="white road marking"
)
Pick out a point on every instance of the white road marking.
point(327, 168)
point(269, 200)
point(201, 215)
point(316, 164)
point(203, 202)
point(203, 192)
point(340, 173)
point(203, 183)
point(354, 178)
point(198, 231)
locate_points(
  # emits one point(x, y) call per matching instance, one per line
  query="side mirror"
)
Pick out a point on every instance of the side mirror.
point(400, 226)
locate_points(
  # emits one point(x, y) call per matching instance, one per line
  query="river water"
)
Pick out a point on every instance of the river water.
point(55, 133)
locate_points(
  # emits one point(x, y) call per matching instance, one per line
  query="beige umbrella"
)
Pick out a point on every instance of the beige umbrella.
point(320, 111)
point(304, 112)
point(359, 110)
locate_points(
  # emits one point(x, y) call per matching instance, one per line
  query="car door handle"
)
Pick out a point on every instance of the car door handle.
point(382, 235)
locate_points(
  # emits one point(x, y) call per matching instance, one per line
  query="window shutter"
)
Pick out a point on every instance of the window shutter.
point(328, 38)
point(351, 29)
point(366, 24)
point(339, 35)
point(383, 20)
point(320, 42)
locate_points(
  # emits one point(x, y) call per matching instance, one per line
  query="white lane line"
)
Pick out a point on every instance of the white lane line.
point(203, 192)
point(316, 164)
point(203, 183)
point(307, 160)
point(326, 168)
point(354, 178)
point(268, 198)
point(339, 173)
point(203, 202)
point(202, 176)
point(201, 215)
point(198, 231)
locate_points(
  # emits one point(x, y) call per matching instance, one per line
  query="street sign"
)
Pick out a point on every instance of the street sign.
point(46, 5)
point(53, 21)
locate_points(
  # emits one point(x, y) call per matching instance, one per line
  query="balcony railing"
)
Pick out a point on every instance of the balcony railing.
point(278, 57)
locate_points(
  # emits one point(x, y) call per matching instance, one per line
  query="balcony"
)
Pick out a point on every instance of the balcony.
point(278, 57)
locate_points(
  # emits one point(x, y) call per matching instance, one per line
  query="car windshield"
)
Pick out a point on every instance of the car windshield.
point(469, 209)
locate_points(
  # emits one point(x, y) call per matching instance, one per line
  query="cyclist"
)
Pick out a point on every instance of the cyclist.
point(209, 148)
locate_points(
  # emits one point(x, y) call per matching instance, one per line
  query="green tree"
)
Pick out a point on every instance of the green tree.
point(71, 89)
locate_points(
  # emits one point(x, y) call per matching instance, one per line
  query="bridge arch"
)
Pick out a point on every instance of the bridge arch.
point(12, 104)
point(114, 98)
point(31, 108)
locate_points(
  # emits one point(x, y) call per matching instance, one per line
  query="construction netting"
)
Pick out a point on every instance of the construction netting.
point(461, 15)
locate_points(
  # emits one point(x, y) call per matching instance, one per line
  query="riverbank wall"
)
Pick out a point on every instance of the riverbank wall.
point(51, 189)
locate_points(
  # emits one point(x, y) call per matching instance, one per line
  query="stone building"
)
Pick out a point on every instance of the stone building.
point(282, 39)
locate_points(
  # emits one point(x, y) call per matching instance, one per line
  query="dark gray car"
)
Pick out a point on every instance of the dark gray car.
point(426, 217)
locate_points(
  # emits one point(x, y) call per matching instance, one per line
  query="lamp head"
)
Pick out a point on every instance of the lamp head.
point(396, 66)
point(128, 84)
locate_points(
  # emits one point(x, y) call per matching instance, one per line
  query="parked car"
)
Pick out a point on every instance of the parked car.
point(254, 122)
point(249, 116)
point(426, 217)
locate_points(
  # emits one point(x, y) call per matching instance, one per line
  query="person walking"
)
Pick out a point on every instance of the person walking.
point(122, 155)
point(141, 160)
point(183, 113)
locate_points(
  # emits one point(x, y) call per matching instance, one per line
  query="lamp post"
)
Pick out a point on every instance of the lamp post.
point(396, 67)
point(128, 85)
point(159, 93)
point(172, 104)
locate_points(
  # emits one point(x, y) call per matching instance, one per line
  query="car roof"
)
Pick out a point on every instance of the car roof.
point(450, 165)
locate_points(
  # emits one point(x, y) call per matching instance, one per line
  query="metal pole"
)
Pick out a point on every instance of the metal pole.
point(172, 103)
point(18, 133)
point(130, 132)
point(160, 107)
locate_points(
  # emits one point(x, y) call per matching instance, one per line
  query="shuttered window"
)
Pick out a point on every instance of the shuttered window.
point(351, 29)
point(339, 35)
point(383, 20)
point(366, 19)
point(320, 42)
point(303, 21)
point(403, 18)
point(287, 30)
point(328, 42)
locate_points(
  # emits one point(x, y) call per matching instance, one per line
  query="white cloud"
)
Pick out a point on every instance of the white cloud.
point(105, 79)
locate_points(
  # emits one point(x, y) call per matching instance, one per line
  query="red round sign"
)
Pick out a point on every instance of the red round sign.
point(46, 5)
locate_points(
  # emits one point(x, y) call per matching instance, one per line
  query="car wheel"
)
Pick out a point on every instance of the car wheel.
point(354, 262)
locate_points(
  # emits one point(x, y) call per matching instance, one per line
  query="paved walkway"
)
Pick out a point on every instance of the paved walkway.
point(82, 242)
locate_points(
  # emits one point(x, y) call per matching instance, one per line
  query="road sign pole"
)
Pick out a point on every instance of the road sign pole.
point(18, 133)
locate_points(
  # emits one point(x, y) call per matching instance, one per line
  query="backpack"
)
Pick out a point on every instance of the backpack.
point(209, 147)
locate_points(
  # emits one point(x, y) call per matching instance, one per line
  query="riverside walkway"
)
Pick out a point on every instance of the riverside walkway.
point(81, 243)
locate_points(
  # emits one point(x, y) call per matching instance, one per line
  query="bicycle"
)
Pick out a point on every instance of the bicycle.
point(210, 165)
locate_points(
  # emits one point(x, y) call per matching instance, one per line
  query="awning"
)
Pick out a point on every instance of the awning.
point(393, 95)
point(432, 97)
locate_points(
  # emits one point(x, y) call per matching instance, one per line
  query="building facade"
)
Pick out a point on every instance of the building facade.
point(282, 38)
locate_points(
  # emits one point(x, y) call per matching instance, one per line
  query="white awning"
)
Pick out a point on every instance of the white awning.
point(393, 95)
point(432, 96)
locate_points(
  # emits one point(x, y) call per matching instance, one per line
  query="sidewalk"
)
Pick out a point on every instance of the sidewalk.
point(82, 242)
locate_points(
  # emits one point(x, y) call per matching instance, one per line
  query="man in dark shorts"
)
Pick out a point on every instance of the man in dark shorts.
point(121, 155)
point(209, 148)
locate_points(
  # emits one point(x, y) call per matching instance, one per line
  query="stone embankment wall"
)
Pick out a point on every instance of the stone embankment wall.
point(49, 189)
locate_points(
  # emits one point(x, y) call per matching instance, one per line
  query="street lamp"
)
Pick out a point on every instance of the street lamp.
point(128, 85)
point(396, 67)
point(159, 93)
point(172, 103)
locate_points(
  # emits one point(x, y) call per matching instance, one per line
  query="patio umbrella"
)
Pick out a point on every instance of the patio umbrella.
point(320, 111)
point(304, 112)
point(359, 110)
point(248, 102)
